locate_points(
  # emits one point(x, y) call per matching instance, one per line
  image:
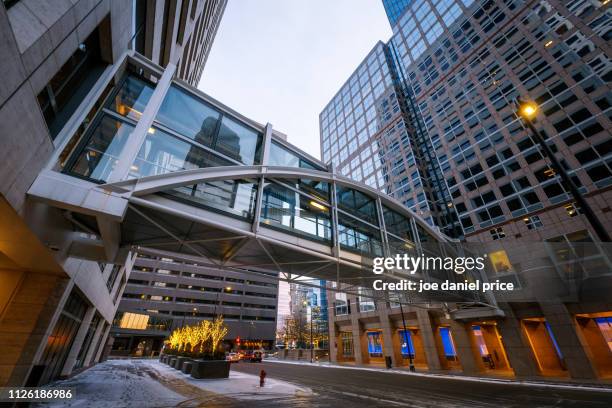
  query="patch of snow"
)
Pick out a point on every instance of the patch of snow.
point(239, 385)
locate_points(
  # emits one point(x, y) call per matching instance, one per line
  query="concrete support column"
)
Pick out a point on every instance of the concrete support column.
point(565, 331)
point(429, 341)
point(520, 355)
point(358, 345)
point(78, 341)
point(386, 326)
point(333, 340)
point(463, 347)
point(104, 349)
point(94, 343)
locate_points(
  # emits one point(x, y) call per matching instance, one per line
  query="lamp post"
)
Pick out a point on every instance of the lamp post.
point(412, 368)
point(305, 303)
point(227, 289)
point(528, 111)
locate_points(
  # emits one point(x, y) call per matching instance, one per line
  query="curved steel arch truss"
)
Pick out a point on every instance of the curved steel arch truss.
point(155, 219)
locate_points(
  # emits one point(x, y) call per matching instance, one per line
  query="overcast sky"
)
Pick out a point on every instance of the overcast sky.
point(281, 61)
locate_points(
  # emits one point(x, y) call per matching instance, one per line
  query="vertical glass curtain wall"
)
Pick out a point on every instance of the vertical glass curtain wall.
point(187, 133)
point(97, 153)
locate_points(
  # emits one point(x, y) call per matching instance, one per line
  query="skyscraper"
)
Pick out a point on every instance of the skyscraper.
point(395, 9)
point(432, 118)
point(452, 147)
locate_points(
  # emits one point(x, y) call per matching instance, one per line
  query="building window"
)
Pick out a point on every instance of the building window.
point(448, 344)
point(407, 344)
point(347, 344)
point(375, 344)
point(605, 326)
point(573, 209)
point(533, 222)
point(61, 97)
point(497, 233)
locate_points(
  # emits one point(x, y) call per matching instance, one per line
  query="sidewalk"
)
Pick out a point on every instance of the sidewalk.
point(587, 386)
point(239, 385)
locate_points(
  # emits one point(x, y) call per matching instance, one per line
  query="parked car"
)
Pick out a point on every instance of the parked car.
point(232, 357)
point(253, 356)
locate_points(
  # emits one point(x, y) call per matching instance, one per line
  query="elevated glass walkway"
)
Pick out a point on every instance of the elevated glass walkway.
point(155, 163)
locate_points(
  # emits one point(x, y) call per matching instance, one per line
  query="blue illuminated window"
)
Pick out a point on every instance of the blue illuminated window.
point(406, 342)
point(375, 344)
point(447, 342)
point(552, 337)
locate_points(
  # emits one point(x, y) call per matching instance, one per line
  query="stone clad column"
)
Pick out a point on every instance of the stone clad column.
point(386, 326)
point(429, 341)
point(463, 346)
point(517, 348)
point(333, 336)
point(564, 329)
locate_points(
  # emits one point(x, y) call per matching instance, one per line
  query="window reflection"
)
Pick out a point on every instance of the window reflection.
point(397, 224)
point(132, 97)
point(192, 118)
point(357, 203)
point(188, 116)
point(282, 207)
point(101, 150)
point(358, 236)
point(319, 189)
point(236, 197)
point(162, 153)
point(238, 142)
point(281, 156)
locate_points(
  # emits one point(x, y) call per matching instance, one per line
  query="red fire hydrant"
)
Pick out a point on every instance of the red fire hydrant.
point(262, 378)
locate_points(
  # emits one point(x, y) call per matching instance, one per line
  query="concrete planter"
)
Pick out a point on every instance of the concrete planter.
point(164, 358)
point(210, 369)
point(172, 361)
point(179, 362)
point(187, 366)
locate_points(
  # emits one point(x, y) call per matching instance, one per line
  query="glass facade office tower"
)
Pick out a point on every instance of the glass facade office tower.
point(437, 128)
point(395, 9)
point(58, 294)
point(430, 118)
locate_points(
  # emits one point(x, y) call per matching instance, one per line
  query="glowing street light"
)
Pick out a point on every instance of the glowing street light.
point(528, 110)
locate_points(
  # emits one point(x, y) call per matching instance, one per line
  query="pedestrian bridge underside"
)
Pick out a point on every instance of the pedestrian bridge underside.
point(292, 221)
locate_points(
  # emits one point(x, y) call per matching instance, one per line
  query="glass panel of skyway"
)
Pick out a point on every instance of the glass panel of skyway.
point(191, 117)
point(287, 209)
point(232, 197)
point(162, 153)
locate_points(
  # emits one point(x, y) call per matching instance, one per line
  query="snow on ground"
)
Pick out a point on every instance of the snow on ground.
point(239, 385)
point(149, 383)
point(117, 383)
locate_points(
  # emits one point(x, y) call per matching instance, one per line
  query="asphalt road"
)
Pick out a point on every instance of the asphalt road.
point(340, 387)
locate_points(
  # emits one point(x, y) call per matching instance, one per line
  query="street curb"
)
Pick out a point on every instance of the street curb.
point(603, 388)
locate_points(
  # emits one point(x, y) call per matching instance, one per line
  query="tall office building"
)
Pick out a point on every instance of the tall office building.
point(395, 9)
point(449, 143)
point(59, 286)
point(430, 118)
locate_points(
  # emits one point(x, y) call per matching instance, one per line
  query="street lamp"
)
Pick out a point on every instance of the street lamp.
point(412, 368)
point(227, 289)
point(305, 303)
point(527, 111)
